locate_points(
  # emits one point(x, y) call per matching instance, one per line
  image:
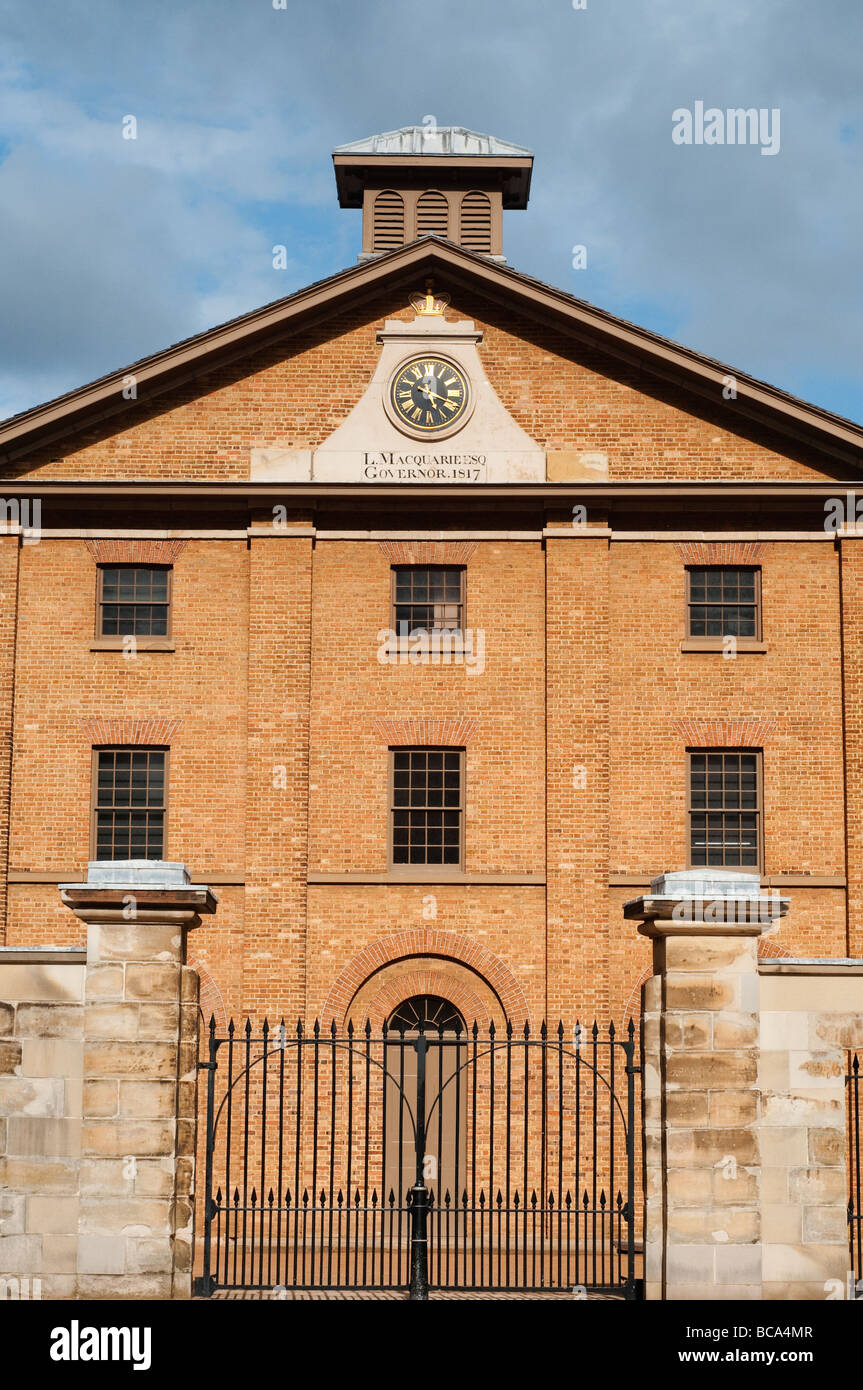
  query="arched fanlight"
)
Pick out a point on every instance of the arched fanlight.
point(430, 1010)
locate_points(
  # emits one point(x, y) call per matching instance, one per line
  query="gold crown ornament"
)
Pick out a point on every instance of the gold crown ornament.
point(429, 303)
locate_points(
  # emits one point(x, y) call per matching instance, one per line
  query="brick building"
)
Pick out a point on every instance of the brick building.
point(428, 612)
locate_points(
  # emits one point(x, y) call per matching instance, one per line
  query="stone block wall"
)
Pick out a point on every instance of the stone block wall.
point(41, 1109)
point(811, 1016)
point(98, 1081)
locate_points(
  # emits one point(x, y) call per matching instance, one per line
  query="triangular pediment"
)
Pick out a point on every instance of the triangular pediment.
point(756, 406)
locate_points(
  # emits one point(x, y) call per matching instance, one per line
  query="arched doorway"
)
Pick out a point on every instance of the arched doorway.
point(445, 1035)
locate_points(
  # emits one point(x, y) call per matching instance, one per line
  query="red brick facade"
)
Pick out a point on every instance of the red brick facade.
point(279, 713)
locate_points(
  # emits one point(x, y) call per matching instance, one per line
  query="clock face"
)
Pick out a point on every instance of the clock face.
point(429, 395)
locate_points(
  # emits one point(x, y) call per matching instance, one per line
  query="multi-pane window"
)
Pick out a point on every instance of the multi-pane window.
point(129, 803)
point(426, 806)
point(724, 810)
point(724, 601)
point(427, 598)
point(134, 600)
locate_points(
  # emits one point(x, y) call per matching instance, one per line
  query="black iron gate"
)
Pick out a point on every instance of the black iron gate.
point(432, 1157)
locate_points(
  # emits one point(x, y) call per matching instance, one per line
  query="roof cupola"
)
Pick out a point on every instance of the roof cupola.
point(432, 180)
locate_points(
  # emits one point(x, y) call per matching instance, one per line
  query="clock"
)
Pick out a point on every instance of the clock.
point(429, 395)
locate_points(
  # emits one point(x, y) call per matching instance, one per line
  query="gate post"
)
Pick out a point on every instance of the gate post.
point(703, 1229)
point(136, 1217)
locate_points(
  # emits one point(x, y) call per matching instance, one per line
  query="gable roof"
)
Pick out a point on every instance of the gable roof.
point(649, 351)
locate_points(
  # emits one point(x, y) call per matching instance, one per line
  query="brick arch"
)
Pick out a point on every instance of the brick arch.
point(770, 949)
point(417, 733)
point(726, 733)
point(720, 552)
point(426, 941)
point(428, 552)
point(135, 552)
point(131, 729)
point(414, 982)
point(632, 1008)
point(210, 1001)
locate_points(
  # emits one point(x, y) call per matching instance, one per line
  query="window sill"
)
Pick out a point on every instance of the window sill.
point(717, 644)
point(767, 880)
point(142, 644)
point(403, 646)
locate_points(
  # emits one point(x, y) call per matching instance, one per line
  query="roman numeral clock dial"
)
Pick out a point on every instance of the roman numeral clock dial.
point(429, 395)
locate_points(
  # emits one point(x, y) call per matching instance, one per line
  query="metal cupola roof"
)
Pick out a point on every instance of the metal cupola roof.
point(432, 139)
point(452, 152)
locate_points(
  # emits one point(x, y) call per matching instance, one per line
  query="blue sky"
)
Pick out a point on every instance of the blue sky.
point(114, 248)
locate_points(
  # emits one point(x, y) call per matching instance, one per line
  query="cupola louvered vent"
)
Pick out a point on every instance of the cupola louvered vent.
point(475, 229)
point(432, 181)
point(432, 215)
point(389, 221)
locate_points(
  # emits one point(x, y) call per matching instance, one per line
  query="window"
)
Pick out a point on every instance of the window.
point(427, 599)
point(134, 600)
point(724, 602)
point(725, 810)
point(129, 803)
point(426, 807)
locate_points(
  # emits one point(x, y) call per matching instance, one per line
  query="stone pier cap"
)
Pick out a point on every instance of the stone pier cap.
point(717, 901)
point(153, 884)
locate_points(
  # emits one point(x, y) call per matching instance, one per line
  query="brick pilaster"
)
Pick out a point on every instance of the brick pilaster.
point(577, 752)
point(851, 573)
point(274, 961)
point(9, 552)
